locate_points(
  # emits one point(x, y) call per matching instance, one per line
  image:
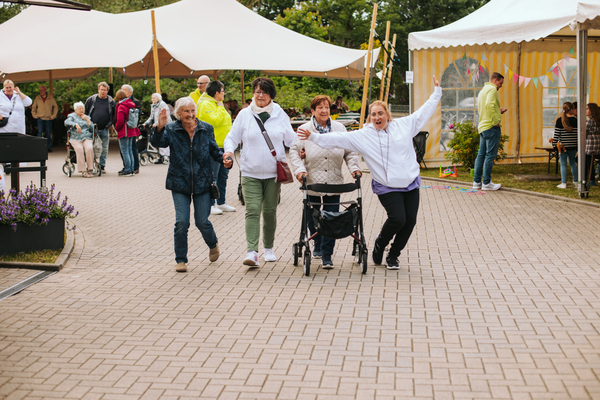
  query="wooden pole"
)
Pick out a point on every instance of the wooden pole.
point(155, 51)
point(110, 75)
point(215, 75)
point(51, 86)
point(368, 68)
point(389, 74)
point(387, 39)
point(242, 85)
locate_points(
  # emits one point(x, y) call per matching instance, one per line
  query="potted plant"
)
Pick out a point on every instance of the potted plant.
point(33, 220)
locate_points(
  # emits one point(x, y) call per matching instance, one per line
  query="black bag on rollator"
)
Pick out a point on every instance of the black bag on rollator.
point(336, 225)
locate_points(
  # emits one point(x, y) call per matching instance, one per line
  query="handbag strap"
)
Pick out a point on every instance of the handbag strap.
point(13, 103)
point(266, 136)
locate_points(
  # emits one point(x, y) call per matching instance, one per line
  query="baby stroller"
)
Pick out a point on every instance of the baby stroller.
point(337, 225)
point(71, 159)
point(147, 152)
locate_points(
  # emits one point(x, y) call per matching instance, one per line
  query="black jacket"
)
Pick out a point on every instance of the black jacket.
point(89, 107)
point(190, 164)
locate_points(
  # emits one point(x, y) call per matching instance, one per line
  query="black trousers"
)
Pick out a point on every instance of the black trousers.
point(401, 208)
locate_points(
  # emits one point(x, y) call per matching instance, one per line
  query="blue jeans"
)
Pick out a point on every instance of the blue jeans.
point(323, 244)
point(125, 145)
point(182, 222)
point(489, 141)
point(45, 126)
point(570, 155)
point(220, 174)
point(104, 136)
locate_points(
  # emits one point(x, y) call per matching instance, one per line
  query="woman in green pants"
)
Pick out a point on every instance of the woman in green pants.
point(259, 167)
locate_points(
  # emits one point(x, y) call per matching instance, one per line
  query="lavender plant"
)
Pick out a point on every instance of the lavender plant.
point(35, 206)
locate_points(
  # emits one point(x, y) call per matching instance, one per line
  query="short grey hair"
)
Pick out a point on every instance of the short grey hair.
point(78, 104)
point(127, 88)
point(157, 95)
point(184, 102)
point(103, 84)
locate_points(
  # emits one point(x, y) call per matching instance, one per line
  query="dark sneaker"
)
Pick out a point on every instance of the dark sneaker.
point(391, 262)
point(121, 172)
point(102, 168)
point(327, 263)
point(317, 254)
point(377, 252)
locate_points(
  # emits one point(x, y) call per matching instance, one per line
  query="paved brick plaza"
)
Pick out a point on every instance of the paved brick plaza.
point(497, 298)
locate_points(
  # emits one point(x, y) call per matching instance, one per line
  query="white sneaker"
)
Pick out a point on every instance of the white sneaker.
point(476, 185)
point(491, 186)
point(251, 259)
point(225, 207)
point(215, 211)
point(269, 255)
point(562, 186)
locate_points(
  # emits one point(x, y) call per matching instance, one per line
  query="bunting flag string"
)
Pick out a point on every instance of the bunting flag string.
point(553, 72)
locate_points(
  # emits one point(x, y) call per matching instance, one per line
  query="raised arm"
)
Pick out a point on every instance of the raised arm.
point(419, 118)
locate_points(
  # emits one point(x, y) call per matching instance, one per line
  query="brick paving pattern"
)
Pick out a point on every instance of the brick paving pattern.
point(496, 298)
point(12, 276)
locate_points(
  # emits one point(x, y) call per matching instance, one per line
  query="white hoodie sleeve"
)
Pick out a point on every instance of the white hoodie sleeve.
point(234, 137)
point(343, 140)
point(419, 118)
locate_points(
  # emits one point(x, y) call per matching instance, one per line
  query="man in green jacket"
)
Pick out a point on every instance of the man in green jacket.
point(490, 116)
point(212, 111)
point(202, 82)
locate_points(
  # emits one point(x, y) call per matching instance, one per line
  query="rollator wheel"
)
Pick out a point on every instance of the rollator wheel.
point(143, 159)
point(296, 254)
point(66, 169)
point(306, 262)
point(364, 258)
point(356, 250)
point(153, 158)
point(97, 169)
point(165, 160)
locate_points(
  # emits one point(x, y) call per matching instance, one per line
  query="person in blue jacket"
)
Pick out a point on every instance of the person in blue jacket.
point(193, 147)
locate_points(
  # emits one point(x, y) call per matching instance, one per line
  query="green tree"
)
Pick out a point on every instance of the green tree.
point(347, 21)
point(300, 19)
point(9, 10)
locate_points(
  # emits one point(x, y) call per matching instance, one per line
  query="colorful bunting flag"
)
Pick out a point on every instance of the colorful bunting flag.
point(484, 57)
point(516, 78)
point(571, 51)
point(560, 64)
point(481, 69)
point(527, 80)
point(464, 57)
point(521, 80)
point(550, 76)
point(555, 71)
point(535, 81)
point(505, 69)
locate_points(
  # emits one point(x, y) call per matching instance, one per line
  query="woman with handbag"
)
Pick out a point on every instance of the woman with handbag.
point(12, 108)
point(386, 145)
point(321, 165)
point(193, 148)
point(264, 128)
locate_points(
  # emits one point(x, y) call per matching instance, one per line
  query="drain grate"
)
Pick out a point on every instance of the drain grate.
point(25, 284)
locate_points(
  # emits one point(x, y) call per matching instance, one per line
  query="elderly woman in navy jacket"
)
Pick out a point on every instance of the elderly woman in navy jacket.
point(193, 147)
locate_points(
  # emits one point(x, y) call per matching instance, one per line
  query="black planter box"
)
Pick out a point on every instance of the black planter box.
point(32, 237)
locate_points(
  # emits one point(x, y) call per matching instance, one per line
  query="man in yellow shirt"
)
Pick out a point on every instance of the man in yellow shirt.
point(202, 82)
point(490, 116)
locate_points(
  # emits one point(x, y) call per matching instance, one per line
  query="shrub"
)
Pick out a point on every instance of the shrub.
point(465, 144)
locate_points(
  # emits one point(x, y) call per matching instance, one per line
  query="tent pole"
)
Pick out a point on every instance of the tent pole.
point(215, 75)
point(387, 39)
point(519, 107)
point(389, 73)
point(242, 86)
point(155, 51)
point(51, 86)
point(110, 75)
point(582, 38)
point(368, 69)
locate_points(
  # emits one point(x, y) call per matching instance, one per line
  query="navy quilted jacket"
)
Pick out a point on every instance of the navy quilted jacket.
point(190, 165)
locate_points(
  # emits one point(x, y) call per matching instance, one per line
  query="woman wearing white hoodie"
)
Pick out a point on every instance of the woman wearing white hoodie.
point(387, 148)
point(259, 167)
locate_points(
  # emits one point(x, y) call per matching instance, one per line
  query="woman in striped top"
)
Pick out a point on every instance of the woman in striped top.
point(565, 139)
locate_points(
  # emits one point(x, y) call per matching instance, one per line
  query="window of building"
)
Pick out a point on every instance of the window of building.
point(461, 82)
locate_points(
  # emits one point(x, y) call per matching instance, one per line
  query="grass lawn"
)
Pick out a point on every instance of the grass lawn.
point(43, 256)
point(508, 176)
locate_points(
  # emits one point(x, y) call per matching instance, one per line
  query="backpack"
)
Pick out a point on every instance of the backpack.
point(134, 118)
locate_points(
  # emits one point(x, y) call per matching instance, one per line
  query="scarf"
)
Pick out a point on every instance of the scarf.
point(263, 112)
point(320, 128)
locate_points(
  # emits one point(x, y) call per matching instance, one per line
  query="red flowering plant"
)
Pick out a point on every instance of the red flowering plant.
point(35, 206)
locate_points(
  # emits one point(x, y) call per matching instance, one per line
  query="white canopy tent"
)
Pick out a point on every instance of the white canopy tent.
point(194, 36)
point(518, 21)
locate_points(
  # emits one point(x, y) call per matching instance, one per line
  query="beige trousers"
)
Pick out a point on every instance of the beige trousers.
point(80, 147)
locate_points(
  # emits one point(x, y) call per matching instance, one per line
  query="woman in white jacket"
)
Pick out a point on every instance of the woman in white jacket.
point(259, 166)
point(387, 148)
point(321, 165)
point(12, 106)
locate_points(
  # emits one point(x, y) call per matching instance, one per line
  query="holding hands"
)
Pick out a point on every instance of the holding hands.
point(228, 160)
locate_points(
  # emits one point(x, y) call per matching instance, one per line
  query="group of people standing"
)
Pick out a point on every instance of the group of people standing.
point(318, 152)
